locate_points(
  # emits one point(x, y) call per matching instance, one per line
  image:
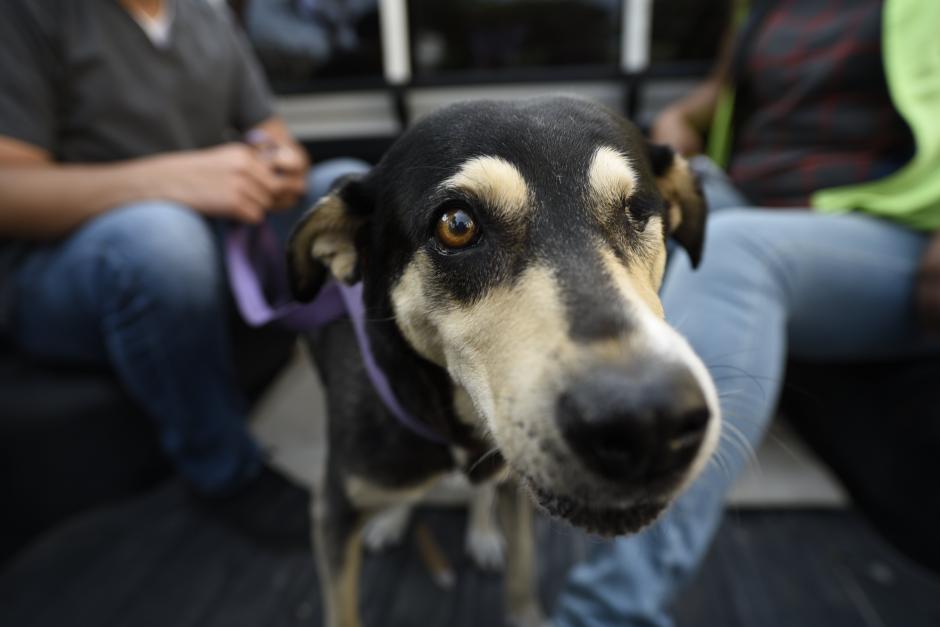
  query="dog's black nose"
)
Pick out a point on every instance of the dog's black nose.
point(630, 425)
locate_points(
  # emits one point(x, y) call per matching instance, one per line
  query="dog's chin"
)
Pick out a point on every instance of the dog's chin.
point(604, 520)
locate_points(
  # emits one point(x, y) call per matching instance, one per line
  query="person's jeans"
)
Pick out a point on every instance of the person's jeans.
point(142, 289)
point(772, 282)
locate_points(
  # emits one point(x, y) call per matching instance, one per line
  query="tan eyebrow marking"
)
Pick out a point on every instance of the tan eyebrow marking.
point(496, 182)
point(611, 180)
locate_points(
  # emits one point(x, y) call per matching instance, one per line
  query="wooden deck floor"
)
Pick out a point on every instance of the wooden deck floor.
point(155, 563)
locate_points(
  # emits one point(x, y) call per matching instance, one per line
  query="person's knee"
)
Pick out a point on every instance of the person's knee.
point(162, 253)
point(732, 254)
point(740, 250)
point(736, 234)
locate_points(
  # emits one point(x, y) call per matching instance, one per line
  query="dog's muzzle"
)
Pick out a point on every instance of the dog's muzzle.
point(636, 434)
point(635, 428)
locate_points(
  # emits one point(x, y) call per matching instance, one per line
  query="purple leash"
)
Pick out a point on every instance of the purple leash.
point(249, 267)
point(247, 272)
point(355, 308)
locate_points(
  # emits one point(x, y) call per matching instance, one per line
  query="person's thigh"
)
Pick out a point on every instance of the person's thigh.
point(846, 281)
point(64, 290)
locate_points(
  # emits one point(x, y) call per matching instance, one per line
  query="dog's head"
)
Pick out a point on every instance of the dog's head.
point(521, 246)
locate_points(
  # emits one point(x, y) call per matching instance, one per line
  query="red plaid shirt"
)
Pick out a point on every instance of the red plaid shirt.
point(814, 109)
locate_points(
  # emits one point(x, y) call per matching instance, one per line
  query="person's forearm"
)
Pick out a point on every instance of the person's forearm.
point(698, 106)
point(48, 201)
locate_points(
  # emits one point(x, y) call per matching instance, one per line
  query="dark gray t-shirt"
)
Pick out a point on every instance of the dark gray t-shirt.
point(81, 79)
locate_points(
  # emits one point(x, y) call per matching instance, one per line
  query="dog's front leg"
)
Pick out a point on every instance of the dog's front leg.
point(521, 582)
point(484, 541)
point(387, 527)
point(337, 537)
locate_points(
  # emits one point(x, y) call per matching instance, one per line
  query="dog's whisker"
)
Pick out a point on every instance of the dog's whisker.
point(734, 451)
point(742, 376)
point(678, 325)
point(728, 439)
point(731, 393)
point(388, 319)
point(720, 463)
point(734, 433)
point(787, 448)
point(750, 420)
point(743, 373)
point(725, 466)
point(743, 351)
point(482, 459)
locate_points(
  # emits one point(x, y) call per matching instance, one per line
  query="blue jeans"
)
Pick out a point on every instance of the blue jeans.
point(772, 283)
point(141, 289)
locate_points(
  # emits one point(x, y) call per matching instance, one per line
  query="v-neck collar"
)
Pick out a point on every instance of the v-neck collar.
point(159, 30)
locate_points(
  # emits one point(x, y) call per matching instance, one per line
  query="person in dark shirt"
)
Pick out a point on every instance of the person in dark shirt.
point(120, 150)
point(814, 111)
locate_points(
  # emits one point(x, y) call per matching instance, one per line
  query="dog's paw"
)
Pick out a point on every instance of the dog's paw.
point(486, 547)
point(531, 616)
point(386, 529)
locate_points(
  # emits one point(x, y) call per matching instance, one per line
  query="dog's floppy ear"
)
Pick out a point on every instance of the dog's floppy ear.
point(324, 240)
point(685, 204)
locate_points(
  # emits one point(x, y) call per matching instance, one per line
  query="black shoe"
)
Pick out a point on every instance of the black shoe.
point(270, 509)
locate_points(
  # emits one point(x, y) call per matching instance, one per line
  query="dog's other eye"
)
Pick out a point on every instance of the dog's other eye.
point(455, 229)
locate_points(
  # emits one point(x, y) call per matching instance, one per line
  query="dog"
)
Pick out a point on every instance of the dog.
point(510, 255)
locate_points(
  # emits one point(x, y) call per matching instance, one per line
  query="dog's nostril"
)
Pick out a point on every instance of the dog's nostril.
point(683, 443)
point(691, 424)
point(618, 447)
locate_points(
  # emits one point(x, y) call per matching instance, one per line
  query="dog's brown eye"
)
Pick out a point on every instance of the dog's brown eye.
point(456, 229)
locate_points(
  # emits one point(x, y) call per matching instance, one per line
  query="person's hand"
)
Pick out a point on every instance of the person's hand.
point(229, 181)
point(290, 164)
point(927, 290)
point(673, 129)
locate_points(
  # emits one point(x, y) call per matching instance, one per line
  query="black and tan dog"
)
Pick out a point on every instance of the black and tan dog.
point(511, 255)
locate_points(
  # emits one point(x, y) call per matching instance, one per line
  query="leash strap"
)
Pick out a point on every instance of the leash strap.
point(254, 258)
point(352, 297)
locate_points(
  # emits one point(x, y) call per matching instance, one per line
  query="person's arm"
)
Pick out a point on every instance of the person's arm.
point(683, 124)
point(42, 199)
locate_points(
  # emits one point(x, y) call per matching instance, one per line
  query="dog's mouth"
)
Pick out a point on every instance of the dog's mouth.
point(599, 517)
